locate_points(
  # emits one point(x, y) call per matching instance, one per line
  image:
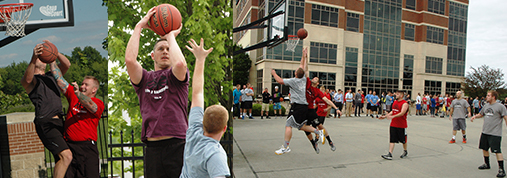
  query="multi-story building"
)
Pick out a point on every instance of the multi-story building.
point(379, 45)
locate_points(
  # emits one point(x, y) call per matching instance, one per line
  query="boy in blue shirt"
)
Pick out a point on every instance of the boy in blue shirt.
point(204, 156)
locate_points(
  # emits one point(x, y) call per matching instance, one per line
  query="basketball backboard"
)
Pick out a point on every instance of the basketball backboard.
point(45, 14)
point(277, 26)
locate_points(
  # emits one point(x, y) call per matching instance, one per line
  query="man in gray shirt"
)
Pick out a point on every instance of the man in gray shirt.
point(358, 99)
point(299, 105)
point(491, 136)
point(247, 99)
point(459, 108)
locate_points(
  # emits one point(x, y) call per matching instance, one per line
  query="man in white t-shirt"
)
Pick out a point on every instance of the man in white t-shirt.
point(418, 104)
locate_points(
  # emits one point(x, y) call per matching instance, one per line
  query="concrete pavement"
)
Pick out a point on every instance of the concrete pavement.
point(360, 141)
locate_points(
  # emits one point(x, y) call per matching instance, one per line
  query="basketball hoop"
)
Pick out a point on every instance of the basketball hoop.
point(291, 43)
point(15, 16)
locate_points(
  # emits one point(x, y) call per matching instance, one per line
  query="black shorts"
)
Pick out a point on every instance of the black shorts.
point(397, 135)
point(164, 158)
point(373, 108)
point(50, 132)
point(247, 105)
point(311, 115)
point(242, 106)
point(368, 106)
point(85, 159)
point(490, 141)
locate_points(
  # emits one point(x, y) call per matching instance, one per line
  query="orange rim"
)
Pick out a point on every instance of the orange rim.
point(14, 7)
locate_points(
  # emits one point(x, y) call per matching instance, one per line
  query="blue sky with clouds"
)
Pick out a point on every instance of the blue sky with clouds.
point(90, 29)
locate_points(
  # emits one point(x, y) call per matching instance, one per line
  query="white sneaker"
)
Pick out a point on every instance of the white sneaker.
point(321, 135)
point(282, 150)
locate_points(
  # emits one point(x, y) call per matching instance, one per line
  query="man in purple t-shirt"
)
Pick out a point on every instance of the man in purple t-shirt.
point(163, 99)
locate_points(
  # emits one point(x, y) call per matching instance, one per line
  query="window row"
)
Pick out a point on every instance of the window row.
point(323, 53)
point(434, 65)
point(324, 15)
point(436, 6)
point(455, 68)
point(383, 9)
point(435, 35)
point(432, 87)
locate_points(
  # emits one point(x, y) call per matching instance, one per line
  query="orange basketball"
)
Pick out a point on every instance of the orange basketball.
point(166, 19)
point(281, 99)
point(49, 52)
point(302, 33)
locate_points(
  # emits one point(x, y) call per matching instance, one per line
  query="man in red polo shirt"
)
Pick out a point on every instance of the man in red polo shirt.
point(81, 124)
point(398, 125)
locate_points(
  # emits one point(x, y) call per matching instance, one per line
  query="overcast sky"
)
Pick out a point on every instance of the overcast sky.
point(90, 29)
point(487, 34)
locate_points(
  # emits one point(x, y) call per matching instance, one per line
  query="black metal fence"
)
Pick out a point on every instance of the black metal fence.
point(122, 157)
point(101, 145)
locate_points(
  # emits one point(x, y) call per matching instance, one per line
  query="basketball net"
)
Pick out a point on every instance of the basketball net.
point(291, 43)
point(15, 16)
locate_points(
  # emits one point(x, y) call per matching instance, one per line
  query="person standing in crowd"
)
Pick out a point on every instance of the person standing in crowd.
point(368, 104)
point(266, 97)
point(338, 98)
point(374, 104)
point(433, 105)
point(418, 105)
point(357, 99)
point(277, 106)
point(236, 95)
point(389, 101)
point(477, 105)
point(349, 98)
point(248, 101)
point(491, 137)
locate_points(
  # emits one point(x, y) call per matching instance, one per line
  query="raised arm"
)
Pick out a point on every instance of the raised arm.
point(329, 102)
point(134, 69)
point(179, 64)
point(64, 63)
point(198, 79)
point(304, 62)
point(27, 81)
point(277, 78)
point(57, 74)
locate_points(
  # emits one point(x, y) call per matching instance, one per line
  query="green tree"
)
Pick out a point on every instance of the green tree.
point(11, 76)
point(207, 19)
point(241, 67)
point(480, 80)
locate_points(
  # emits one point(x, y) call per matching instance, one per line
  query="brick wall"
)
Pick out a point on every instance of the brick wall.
point(23, 139)
point(25, 151)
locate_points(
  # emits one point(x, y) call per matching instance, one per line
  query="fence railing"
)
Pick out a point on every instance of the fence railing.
point(122, 158)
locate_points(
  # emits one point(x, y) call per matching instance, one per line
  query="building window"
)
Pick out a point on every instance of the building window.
point(411, 4)
point(409, 32)
point(432, 87)
point(434, 65)
point(351, 56)
point(324, 15)
point(260, 74)
point(435, 35)
point(381, 45)
point(408, 72)
point(451, 88)
point(436, 6)
point(456, 41)
point(295, 18)
point(327, 80)
point(245, 22)
point(455, 67)
point(352, 22)
point(323, 53)
point(284, 74)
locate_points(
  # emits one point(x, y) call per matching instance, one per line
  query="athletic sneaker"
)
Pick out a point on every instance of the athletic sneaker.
point(501, 173)
point(464, 140)
point(484, 166)
point(267, 117)
point(243, 117)
point(262, 117)
point(387, 156)
point(453, 141)
point(321, 135)
point(333, 148)
point(282, 150)
point(371, 115)
point(250, 117)
point(316, 147)
point(405, 154)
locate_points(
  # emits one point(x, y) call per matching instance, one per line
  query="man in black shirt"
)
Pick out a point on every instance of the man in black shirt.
point(45, 96)
point(265, 103)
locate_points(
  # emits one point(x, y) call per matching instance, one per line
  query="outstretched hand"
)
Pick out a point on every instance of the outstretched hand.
point(76, 87)
point(37, 50)
point(198, 50)
point(145, 21)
